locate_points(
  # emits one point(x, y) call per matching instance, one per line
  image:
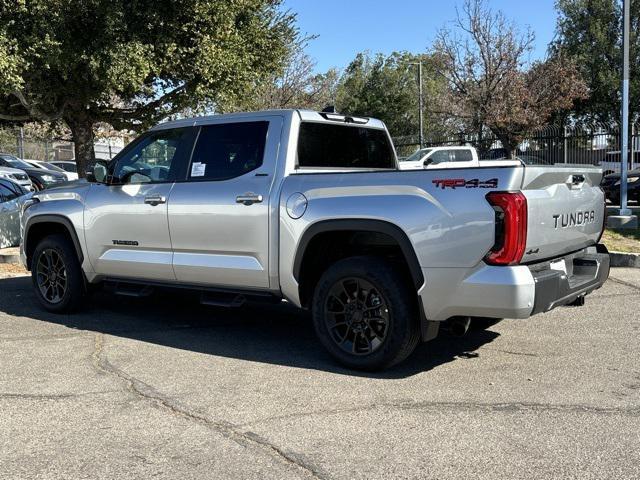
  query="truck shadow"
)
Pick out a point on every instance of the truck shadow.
point(275, 334)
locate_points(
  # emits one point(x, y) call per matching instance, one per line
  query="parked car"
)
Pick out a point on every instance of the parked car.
point(65, 165)
point(40, 178)
point(312, 208)
point(440, 157)
point(12, 196)
point(611, 186)
point(611, 162)
point(49, 166)
point(18, 176)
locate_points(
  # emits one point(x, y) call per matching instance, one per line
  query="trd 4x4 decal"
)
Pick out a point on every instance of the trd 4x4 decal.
point(464, 183)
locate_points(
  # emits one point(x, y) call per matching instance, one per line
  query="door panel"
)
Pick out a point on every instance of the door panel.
point(125, 236)
point(126, 223)
point(220, 228)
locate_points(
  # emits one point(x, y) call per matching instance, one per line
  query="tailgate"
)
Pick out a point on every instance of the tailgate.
point(566, 209)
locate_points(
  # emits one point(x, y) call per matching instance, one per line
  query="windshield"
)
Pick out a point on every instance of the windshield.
point(415, 156)
point(50, 166)
point(16, 162)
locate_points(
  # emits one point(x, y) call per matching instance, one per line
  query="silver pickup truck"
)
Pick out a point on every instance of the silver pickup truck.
point(311, 208)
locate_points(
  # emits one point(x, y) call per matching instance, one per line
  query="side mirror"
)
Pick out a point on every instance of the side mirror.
point(99, 173)
point(428, 162)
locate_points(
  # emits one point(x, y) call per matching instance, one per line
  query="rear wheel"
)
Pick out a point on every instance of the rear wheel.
point(56, 274)
point(364, 313)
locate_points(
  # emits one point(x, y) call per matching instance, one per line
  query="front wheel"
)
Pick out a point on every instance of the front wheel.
point(56, 274)
point(364, 313)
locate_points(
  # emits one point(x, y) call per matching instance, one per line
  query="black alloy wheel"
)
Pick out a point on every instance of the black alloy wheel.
point(357, 316)
point(51, 275)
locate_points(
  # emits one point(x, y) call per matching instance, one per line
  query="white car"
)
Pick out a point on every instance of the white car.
point(611, 162)
point(50, 166)
point(66, 165)
point(18, 176)
point(440, 157)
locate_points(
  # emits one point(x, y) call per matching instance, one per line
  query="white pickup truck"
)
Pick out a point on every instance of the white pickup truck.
point(311, 207)
point(440, 157)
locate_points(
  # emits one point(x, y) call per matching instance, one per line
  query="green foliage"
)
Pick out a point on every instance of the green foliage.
point(590, 32)
point(386, 87)
point(132, 62)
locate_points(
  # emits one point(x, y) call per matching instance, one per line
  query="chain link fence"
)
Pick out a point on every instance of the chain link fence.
point(591, 144)
point(15, 142)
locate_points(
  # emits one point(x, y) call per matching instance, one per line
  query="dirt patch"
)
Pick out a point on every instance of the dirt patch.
point(627, 241)
point(12, 270)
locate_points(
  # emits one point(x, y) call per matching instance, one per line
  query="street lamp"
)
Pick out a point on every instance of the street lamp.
point(420, 101)
point(624, 219)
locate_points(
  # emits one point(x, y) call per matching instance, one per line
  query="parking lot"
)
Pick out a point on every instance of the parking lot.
point(163, 388)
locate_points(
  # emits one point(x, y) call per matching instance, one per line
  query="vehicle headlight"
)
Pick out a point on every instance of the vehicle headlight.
point(617, 183)
point(633, 179)
point(48, 178)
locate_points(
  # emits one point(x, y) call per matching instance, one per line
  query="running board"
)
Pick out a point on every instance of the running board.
point(212, 296)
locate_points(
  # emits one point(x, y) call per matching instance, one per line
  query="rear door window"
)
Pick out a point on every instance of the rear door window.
point(322, 145)
point(228, 150)
point(462, 155)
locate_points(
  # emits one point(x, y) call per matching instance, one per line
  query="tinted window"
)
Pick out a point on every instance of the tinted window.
point(228, 150)
point(6, 194)
point(462, 155)
point(440, 156)
point(153, 158)
point(343, 146)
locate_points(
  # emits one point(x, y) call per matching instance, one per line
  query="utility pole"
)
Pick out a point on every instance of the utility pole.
point(624, 219)
point(420, 103)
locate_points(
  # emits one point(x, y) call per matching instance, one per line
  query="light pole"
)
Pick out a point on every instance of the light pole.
point(420, 102)
point(624, 219)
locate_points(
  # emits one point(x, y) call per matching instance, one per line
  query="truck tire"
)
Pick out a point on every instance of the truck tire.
point(364, 313)
point(56, 275)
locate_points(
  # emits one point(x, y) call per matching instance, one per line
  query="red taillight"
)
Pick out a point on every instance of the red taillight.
point(511, 228)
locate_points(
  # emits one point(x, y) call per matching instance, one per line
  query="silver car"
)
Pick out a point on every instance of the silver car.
point(12, 197)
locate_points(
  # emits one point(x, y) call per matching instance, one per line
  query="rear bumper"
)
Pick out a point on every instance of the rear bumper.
point(512, 292)
point(585, 271)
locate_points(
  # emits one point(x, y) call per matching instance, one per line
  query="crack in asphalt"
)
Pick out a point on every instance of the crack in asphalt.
point(469, 406)
point(51, 396)
point(622, 282)
point(227, 430)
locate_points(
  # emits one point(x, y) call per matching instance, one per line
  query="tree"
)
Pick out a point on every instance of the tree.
point(131, 63)
point(386, 87)
point(296, 86)
point(590, 33)
point(492, 84)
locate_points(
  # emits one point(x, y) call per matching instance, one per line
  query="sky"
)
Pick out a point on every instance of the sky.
point(346, 27)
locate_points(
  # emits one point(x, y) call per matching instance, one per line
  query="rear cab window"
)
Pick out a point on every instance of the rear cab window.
point(343, 146)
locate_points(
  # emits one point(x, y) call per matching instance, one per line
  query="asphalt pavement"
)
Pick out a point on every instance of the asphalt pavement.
point(163, 388)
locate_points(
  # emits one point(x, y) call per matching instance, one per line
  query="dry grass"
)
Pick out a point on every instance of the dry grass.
point(622, 240)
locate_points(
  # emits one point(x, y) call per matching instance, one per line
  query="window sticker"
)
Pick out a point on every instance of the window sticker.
point(197, 169)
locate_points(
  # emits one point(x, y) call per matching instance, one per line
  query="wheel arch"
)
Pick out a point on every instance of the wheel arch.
point(40, 226)
point(354, 227)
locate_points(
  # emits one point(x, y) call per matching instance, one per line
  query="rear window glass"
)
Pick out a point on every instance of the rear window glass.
point(228, 150)
point(343, 146)
point(462, 156)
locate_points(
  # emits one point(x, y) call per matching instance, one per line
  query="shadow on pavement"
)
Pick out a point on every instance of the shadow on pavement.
point(276, 334)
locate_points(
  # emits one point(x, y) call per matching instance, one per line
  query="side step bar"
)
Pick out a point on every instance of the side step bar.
point(218, 297)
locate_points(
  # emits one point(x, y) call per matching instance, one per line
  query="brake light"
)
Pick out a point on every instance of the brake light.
point(511, 228)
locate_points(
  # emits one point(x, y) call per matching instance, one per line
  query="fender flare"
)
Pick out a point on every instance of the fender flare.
point(364, 225)
point(59, 219)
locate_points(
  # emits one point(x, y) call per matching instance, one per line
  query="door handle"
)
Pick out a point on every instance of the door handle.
point(249, 198)
point(154, 200)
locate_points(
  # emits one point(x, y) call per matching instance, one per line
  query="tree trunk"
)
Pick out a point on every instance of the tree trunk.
point(83, 137)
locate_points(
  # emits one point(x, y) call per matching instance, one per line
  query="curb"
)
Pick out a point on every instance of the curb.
point(4, 258)
point(620, 259)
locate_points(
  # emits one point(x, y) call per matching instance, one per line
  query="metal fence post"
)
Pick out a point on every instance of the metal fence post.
point(565, 143)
